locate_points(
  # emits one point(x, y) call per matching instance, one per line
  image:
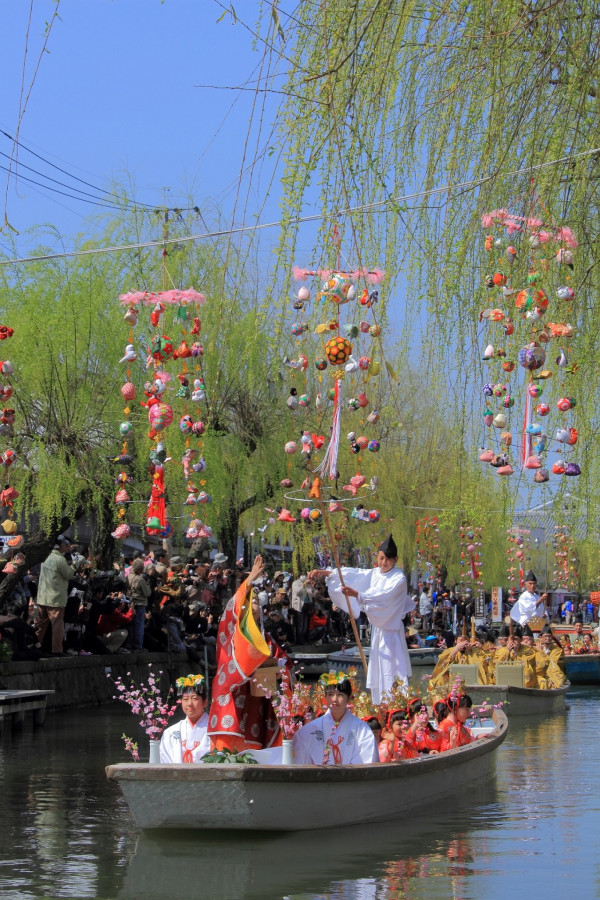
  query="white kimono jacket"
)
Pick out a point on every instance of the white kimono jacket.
point(323, 743)
point(526, 608)
point(179, 738)
point(384, 598)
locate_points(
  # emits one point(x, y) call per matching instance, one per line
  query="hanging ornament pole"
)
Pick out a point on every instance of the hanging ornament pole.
point(333, 547)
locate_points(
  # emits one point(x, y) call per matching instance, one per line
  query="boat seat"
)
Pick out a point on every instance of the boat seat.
point(510, 675)
point(465, 671)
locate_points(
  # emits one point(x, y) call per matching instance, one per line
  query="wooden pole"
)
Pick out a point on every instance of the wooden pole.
point(339, 571)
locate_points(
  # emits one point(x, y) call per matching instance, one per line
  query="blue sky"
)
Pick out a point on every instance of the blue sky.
point(116, 99)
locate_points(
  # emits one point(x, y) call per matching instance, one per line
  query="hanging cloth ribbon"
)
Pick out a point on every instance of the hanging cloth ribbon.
point(526, 440)
point(329, 462)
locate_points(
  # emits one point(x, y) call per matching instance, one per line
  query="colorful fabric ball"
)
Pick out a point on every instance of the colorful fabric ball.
point(121, 531)
point(364, 362)
point(291, 447)
point(125, 428)
point(160, 415)
point(186, 423)
point(299, 328)
point(304, 400)
point(198, 428)
point(373, 446)
point(337, 350)
point(535, 390)
point(508, 402)
point(362, 442)
point(315, 515)
point(337, 288)
point(565, 404)
point(542, 409)
point(305, 513)
point(161, 347)
point(128, 391)
point(532, 356)
point(374, 330)
point(321, 364)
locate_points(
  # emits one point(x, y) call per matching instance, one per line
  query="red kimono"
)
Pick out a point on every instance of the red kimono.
point(464, 735)
point(237, 720)
point(394, 752)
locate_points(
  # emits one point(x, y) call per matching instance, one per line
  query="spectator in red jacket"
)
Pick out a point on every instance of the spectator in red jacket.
point(113, 627)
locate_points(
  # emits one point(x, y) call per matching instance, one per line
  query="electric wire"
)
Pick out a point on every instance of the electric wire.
point(242, 229)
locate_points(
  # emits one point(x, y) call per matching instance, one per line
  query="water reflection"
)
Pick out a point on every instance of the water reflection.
point(250, 867)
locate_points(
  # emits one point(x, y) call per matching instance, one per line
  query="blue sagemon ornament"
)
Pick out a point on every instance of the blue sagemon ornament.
point(487, 389)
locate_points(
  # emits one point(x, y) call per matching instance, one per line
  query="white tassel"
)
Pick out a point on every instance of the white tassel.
point(329, 461)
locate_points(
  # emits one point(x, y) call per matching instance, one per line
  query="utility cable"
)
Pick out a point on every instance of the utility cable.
point(242, 229)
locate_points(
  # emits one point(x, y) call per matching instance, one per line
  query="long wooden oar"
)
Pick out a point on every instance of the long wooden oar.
point(339, 571)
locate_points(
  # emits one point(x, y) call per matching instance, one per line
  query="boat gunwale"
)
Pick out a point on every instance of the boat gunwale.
point(306, 774)
point(521, 691)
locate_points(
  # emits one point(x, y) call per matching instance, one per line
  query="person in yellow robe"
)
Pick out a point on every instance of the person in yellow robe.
point(514, 652)
point(464, 651)
point(549, 661)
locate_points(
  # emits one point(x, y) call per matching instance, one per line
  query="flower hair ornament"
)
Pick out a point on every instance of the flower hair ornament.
point(194, 683)
point(330, 679)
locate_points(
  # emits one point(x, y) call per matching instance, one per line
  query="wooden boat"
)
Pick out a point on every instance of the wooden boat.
point(519, 701)
point(349, 656)
point(297, 798)
point(583, 668)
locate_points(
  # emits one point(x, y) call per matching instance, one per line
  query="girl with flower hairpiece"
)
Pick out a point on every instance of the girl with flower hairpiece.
point(188, 741)
point(396, 746)
point(421, 734)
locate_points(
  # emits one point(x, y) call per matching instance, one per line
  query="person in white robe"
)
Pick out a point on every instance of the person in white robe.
point(382, 594)
point(338, 737)
point(530, 603)
point(188, 741)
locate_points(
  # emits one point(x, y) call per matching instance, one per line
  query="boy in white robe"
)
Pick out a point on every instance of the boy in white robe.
point(382, 593)
point(530, 603)
point(338, 737)
point(188, 741)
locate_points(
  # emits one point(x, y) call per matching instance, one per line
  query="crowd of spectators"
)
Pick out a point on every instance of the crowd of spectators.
point(158, 602)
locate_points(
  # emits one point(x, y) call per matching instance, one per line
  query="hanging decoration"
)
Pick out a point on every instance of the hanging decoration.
point(428, 550)
point(158, 388)
point(471, 559)
point(565, 574)
point(518, 557)
point(528, 284)
point(8, 457)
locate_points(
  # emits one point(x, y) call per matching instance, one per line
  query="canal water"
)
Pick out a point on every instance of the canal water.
point(534, 831)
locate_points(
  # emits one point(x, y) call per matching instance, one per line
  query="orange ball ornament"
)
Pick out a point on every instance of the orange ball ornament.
point(337, 350)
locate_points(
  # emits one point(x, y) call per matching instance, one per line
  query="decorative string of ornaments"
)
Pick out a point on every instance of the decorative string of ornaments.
point(161, 350)
point(319, 457)
point(8, 457)
point(534, 265)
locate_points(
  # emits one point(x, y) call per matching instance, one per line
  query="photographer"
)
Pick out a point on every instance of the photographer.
point(139, 592)
point(115, 624)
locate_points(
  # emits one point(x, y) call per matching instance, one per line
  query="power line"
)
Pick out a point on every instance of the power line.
point(242, 229)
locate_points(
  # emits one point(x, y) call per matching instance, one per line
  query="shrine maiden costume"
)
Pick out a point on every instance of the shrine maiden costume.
point(187, 742)
point(322, 742)
point(184, 742)
point(528, 605)
point(384, 598)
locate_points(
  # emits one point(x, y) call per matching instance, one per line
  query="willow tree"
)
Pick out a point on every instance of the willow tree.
point(403, 123)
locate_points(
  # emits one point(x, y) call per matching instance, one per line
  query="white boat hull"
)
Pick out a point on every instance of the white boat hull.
point(297, 798)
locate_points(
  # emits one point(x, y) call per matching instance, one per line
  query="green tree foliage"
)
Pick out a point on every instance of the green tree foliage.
point(420, 118)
